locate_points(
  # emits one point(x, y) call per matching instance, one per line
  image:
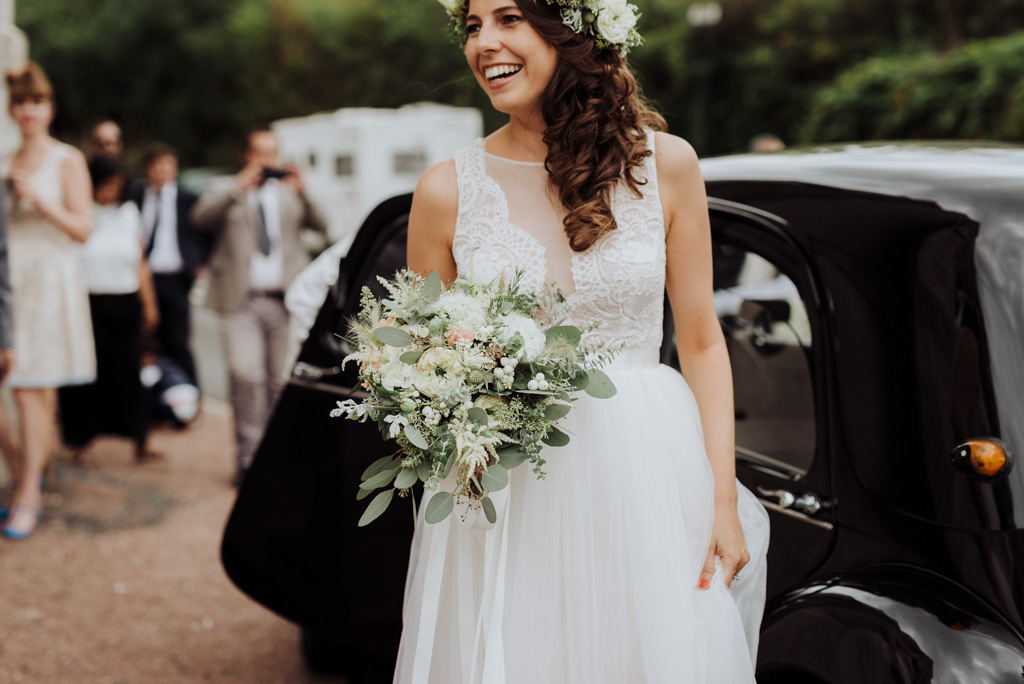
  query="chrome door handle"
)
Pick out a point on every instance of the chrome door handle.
point(782, 497)
point(805, 503)
point(307, 371)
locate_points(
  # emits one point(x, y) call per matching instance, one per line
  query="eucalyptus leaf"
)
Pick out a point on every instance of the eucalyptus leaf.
point(380, 465)
point(416, 437)
point(393, 337)
point(511, 457)
point(556, 438)
point(377, 507)
point(448, 466)
point(407, 478)
point(601, 386)
point(494, 479)
point(423, 471)
point(411, 357)
point(380, 479)
point(506, 307)
point(580, 382)
point(569, 333)
point(477, 415)
point(488, 506)
point(440, 507)
point(432, 288)
point(363, 493)
point(556, 411)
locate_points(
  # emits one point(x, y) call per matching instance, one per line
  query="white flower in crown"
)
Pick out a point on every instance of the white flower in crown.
point(612, 23)
point(615, 20)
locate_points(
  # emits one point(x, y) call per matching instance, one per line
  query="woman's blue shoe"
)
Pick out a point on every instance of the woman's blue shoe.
point(22, 521)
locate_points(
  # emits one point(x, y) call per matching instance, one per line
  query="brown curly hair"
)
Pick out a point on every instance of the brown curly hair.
point(28, 83)
point(596, 120)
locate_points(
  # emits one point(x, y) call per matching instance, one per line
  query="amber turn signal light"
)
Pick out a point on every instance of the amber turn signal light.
point(982, 458)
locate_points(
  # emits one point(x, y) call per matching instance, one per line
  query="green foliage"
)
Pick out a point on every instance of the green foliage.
point(760, 68)
point(973, 92)
point(196, 73)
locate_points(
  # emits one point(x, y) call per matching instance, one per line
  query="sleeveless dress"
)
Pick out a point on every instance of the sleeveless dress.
point(590, 575)
point(53, 341)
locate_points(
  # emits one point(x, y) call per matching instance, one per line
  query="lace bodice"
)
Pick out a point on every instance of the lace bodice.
point(510, 217)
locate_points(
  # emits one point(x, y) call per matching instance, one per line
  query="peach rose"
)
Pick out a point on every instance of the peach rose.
point(455, 334)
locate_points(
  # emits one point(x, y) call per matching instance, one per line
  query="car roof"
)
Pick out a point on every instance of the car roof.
point(967, 177)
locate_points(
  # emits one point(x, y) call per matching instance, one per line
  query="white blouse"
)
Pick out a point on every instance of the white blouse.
point(111, 255)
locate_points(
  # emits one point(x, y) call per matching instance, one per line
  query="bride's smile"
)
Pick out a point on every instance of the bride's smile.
point(511, 61)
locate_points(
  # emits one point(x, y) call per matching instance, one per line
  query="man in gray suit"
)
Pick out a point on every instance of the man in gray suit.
point(255, 217)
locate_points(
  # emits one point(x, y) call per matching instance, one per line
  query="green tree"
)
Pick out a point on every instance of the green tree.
point(197, 72)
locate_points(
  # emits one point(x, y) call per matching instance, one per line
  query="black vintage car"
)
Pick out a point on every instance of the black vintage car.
point(872, 298)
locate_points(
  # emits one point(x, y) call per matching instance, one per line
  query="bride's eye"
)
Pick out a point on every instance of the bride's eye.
point(508, 19)
point(472, 27)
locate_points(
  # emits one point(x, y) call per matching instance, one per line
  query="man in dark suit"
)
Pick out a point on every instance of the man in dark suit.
point(172, 249)
point(257, 217)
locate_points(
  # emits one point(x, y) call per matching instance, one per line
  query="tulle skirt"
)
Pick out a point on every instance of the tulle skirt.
point(590, 575)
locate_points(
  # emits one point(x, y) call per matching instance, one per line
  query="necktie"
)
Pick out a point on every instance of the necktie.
point(264, 236)
point(156, 223)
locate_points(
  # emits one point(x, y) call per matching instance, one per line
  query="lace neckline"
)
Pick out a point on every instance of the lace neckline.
point(506, 160)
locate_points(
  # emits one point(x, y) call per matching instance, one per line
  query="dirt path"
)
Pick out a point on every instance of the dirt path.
point(122, 581)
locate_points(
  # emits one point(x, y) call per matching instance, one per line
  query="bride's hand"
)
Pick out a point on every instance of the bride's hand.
point(727, 543)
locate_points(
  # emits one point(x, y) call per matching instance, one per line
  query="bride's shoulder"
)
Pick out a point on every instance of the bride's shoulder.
point(439, 186)
point(435, 204)
point(677, 166)
point(674, 156)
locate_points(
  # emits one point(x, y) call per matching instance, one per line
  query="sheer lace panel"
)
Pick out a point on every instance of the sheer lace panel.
point(510, 217)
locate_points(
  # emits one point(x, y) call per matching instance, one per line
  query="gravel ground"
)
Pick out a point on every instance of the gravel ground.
point(122, 581)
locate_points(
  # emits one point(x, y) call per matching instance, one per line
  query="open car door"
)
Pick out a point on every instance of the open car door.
point(292, 542)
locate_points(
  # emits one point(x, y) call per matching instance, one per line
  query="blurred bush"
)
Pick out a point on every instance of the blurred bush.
point(195, 73)
point(976, 91)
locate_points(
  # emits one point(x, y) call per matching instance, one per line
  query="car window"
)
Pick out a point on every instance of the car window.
point(769, 340)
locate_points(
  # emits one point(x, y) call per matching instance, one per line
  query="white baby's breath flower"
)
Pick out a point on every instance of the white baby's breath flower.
point(573, 18)
point(451, 5)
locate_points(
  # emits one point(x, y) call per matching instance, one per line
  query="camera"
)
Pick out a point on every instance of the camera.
point(269, 172)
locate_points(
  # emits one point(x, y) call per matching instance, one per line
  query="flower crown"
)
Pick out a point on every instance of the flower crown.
point(611, 23)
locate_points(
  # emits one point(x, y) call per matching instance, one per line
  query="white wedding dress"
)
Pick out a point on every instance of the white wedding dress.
point(590, 575)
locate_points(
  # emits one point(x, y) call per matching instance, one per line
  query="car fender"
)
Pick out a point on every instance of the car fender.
point(887, 624)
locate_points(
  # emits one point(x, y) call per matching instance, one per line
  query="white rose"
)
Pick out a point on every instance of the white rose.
point(615, 21)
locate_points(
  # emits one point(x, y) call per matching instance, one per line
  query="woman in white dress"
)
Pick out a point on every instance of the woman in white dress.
point(50, 207)
point(639, 559)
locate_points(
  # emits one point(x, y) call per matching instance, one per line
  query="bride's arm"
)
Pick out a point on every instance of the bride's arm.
point(435, 207)
point(703, 356)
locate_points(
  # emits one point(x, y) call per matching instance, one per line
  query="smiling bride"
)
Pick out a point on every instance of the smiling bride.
point(639, 559)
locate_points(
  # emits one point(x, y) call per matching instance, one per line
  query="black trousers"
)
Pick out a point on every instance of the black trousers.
point(115, 403)
point(175, 328)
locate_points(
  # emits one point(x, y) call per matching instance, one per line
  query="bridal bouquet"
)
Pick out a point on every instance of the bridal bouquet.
point(472, 378)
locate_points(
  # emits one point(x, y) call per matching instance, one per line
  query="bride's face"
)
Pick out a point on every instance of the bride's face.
point(510, 60)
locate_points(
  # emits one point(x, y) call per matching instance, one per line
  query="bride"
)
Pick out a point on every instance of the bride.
point(639, 558)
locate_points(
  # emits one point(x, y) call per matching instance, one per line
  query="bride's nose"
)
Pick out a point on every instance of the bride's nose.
point(488, 39)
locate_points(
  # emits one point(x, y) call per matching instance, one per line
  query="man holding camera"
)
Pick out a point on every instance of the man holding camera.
point(255, 217)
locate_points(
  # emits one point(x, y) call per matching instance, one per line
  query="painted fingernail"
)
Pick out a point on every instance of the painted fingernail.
point(704, 584)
